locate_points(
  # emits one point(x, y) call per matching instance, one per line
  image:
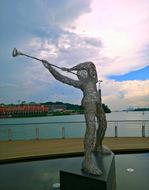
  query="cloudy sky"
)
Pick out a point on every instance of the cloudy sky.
point(111, 33)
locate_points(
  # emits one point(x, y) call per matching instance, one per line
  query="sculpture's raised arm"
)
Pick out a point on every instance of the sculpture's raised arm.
point(81, 66)
point(60, 77)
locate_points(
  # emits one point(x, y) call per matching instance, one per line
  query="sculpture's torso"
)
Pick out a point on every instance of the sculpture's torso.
point(90, 93)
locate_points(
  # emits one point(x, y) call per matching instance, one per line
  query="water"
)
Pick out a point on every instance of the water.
point(66, 126)
point(132, 172)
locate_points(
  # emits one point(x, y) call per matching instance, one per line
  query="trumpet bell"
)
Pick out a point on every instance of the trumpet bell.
point(15, 52)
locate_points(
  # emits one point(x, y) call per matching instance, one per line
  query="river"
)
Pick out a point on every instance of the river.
point(128, 124)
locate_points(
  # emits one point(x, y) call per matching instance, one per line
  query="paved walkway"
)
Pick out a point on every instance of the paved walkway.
point(35, 149)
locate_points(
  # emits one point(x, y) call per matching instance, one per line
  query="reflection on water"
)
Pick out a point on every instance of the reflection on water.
point(41, 175)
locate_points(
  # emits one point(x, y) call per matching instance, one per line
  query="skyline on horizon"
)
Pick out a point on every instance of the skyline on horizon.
point(113, 34)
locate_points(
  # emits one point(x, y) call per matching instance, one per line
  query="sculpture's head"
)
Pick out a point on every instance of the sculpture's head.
point(87, 71)
point(82, 74)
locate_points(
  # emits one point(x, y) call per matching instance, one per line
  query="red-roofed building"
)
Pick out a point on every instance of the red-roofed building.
point(23, 110)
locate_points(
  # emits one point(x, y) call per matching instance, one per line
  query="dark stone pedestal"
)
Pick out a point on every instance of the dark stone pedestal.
point(75, 179)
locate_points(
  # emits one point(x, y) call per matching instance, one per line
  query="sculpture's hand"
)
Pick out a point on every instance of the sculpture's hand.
point(65, 69)
point(46, 64)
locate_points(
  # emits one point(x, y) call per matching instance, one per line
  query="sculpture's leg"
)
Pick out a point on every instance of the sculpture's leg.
point(88, 165)
point(102, 126)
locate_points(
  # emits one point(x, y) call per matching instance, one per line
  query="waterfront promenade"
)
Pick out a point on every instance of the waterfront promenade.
point(54, 148)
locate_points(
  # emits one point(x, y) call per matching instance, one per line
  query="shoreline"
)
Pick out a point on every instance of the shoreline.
point(14, 151)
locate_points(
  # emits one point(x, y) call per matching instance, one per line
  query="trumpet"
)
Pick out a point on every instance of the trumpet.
point(16, 52)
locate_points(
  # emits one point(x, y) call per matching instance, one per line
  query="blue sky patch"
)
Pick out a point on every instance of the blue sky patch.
point(141, 74)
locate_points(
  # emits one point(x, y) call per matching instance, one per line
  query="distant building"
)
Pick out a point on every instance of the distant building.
point(23, 110)
point(57, 107)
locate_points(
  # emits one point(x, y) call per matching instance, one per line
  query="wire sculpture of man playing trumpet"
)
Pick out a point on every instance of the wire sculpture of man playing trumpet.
point(91, 102)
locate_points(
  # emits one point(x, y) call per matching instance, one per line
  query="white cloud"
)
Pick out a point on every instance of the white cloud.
point(69, 50)
point(121, 95)
point(122, 27)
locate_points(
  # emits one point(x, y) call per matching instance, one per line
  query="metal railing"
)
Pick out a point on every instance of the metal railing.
point(43, 130)
point(143, 124)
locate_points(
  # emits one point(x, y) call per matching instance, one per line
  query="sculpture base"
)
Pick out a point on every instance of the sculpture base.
point(75, 179)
